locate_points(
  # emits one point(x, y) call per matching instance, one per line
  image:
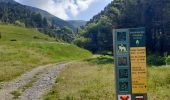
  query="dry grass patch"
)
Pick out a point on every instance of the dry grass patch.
point(84, 81)
point(94, 80)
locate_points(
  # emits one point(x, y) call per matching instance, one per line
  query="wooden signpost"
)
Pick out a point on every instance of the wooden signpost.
point(130, 64)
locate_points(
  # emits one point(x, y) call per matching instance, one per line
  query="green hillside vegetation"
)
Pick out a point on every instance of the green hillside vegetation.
point(77, 23)
point(12, 33)
point(11, 12)
point(51, 18)
point(22, 49)
point(30, 17)
point(93, 79)
point(151, 14)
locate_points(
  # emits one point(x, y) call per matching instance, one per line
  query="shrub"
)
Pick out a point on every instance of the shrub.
point(168, 60)
point(13, 40)
point(155, 60)
point(18, 23)
point(81, 42)
point(36, 37)
point(15, 94)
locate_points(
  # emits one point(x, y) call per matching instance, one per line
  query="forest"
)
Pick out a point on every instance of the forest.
point(24, 16)
point(151, 14)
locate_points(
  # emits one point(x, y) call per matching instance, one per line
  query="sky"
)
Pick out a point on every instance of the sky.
point(69, 9)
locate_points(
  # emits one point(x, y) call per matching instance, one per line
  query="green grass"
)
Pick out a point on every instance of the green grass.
point(85, 81)
point(100, 59)
point(27, 52)
point(15, 94)
point(159, 83)
point(11, 32)
point(90, 80)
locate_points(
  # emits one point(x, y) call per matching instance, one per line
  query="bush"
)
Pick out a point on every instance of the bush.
point(13, 40)
point(155, 60)
point(36, 37)
point(15, 94)
point(81, 41)
point(18, 23)
point(168, 60)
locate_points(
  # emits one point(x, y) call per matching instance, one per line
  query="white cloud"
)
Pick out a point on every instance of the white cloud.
point(60, 8)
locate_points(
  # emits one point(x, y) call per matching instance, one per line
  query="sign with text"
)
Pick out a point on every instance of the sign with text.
point(130, 63)
point(138, 69)
point(138, 63)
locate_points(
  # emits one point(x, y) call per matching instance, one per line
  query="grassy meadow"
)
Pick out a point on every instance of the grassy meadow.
point(93, 79)
point(159, 83)
point(22, 49)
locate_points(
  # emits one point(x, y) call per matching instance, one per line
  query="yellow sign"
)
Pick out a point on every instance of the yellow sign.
point(138, 69)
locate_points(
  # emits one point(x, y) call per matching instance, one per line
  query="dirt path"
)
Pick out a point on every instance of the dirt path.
point(32, 85)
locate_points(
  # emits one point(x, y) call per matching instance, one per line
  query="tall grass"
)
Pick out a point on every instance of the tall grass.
point(90, 80)
point(83, 81)
point(159, 83)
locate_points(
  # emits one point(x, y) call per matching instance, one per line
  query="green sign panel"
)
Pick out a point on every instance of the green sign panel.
point(122, 63)
point(125, 43)
point(137, 37)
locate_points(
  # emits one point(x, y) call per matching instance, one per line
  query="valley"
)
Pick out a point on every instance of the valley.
point(46, 55)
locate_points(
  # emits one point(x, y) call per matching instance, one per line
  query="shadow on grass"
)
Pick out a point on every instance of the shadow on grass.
point(101, 60)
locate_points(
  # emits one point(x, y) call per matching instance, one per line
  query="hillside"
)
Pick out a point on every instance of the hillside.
point(22, 49)
point(151, 14)
point(25, 16)
point(13, 12)
point(20, 9)
point(51, 18)
point(77, 23)
point(8, 1)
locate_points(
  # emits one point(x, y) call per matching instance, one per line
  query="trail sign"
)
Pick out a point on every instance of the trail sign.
point(130, 63)
point(138, 63)
point(122, 64)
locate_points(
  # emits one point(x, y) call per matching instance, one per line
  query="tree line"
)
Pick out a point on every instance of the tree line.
point(21, 15)
point(154, 15)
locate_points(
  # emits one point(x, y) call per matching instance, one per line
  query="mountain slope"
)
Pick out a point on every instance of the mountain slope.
point(25, 16)
point(77, 23)
point(10, 12)
point(53, 19)
point(7, 1)
point(152, 14)
point(24, 11)
point(22, 49)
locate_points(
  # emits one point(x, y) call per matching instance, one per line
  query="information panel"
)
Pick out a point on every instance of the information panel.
point(138, 69)
point(138, 63)
point(130, 64)
point(122, 64)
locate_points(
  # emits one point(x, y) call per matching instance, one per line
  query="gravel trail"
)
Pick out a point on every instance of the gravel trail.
point(40, 80)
